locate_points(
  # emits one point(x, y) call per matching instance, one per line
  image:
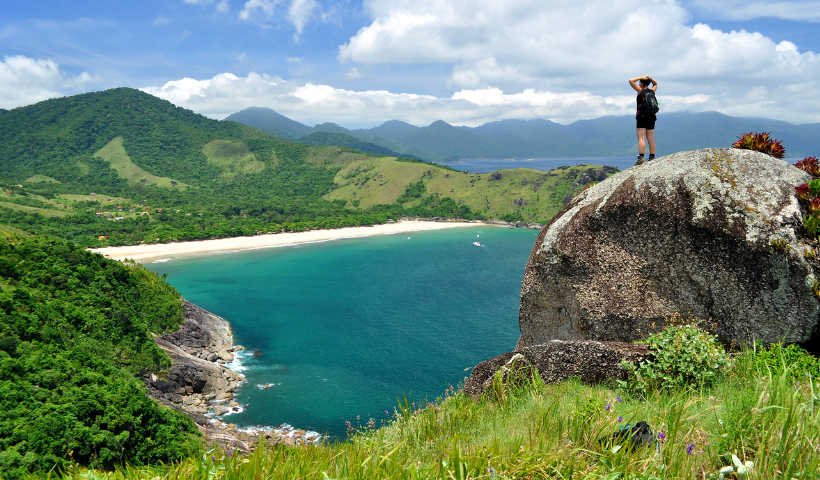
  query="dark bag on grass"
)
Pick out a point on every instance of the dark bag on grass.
point(630, 436)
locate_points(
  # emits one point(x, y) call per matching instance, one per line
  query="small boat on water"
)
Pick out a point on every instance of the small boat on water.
point(477, 244)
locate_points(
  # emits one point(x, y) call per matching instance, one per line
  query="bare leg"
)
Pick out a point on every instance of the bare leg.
point(642, 140)
point(650, 138)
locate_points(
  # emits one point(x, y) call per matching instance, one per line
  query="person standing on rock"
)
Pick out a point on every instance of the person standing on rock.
point(644, 116)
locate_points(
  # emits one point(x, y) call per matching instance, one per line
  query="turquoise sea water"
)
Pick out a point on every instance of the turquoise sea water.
point(344, 327)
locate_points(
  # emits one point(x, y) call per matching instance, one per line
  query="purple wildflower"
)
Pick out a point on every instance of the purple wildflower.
point(213, 458)
point(608, 407)
point(690, 448)
point(386, 412)
point(620, 419)
point(618, 399)
point(661, 436)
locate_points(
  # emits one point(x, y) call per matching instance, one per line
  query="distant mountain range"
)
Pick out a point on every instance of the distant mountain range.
point(601, 137)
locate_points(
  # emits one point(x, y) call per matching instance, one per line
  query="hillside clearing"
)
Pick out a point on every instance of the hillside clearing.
point(533, 194)
point(114, 153)
point(232, 157)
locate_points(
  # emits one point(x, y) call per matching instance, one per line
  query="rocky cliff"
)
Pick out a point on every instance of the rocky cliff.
point(689, 234)
point(198, 381)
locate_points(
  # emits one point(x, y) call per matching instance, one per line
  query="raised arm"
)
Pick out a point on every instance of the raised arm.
point(633, 82)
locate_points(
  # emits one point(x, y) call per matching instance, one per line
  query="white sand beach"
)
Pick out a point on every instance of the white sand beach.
point(168, 250)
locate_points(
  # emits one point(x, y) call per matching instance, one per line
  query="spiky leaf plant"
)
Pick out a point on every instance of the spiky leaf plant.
point(809, 165)
point(760, 142)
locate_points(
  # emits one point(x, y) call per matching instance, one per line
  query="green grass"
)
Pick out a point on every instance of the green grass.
point(114, 153)
point(536, 195)
point(232, 157)
point(554, 431)
point(41, 178)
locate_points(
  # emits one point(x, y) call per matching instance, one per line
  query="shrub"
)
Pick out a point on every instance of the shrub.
point(800, 363)
point(682, 356)
point(760, 142)
point(809, 165)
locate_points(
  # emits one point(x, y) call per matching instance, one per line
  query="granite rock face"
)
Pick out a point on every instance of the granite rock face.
point(593, 362)
point(686, 234)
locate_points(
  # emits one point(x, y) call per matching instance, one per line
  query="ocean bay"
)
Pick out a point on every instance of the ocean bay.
point(345, 327)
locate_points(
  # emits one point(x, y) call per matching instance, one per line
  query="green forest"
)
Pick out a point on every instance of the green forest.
point(75, 330)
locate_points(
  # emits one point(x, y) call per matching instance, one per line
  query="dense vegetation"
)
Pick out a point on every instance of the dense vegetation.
point(75, 329)
point(184, 175)
point(760, 419)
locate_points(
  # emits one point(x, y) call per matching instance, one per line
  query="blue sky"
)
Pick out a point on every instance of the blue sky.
point(466, 62)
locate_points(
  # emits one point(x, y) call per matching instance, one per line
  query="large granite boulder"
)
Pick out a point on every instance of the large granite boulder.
point(591, 362)
point(688, 234)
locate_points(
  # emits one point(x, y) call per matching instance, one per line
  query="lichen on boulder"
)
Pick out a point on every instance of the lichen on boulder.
point(688, 234)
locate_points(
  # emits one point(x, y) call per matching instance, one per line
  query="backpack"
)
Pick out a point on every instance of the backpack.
point(650, 102)
point(630, 436)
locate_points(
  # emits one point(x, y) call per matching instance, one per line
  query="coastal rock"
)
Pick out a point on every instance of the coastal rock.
point(193, 383)
point(688, 234)
point(590, 361)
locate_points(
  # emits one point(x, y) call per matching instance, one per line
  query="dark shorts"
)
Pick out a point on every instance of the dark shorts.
point(646, 122)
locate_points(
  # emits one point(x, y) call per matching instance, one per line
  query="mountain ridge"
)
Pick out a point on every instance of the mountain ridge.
point(603, 136)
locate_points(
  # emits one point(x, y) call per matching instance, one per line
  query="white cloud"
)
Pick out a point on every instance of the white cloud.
point(223, 7)
point(24, 80)
point(186, 34)
point(353, 73)
point(295, 59)
point(241, 57)
point(587, 45)
point(198, 2)
point(312, 103)
point(800, 11)
point(160, 21)
point(254, 8)
point(300, 13)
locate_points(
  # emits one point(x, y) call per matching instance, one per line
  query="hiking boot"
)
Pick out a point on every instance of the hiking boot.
point(640, 161)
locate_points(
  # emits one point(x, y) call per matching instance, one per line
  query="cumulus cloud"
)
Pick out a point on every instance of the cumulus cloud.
point(160, 21)
point(581, 45)
point(24, 80)
point(312, 103)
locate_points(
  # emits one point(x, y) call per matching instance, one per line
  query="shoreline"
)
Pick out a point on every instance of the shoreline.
point(158, 250)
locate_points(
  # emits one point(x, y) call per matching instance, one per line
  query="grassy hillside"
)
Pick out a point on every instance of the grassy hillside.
point(525, 194)
point(763, 411)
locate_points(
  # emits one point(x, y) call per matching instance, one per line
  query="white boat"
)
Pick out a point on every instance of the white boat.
point(477, 244)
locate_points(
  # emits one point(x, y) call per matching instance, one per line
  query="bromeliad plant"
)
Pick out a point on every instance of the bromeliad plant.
point(809, 195)
point(809, 165)
point(760, 142)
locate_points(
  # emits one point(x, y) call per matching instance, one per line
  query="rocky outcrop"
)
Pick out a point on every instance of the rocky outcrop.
point(198, 383)
point(592, 362)
point(687, 234)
